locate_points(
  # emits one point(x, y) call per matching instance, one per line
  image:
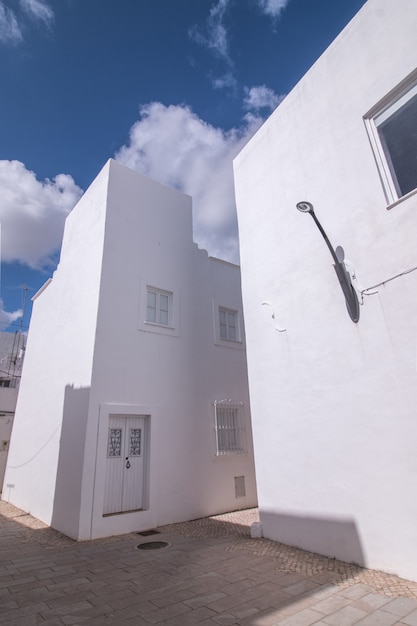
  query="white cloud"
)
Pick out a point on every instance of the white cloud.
point(217, 36)
point(32, 213)
point(225, 81)
point(261, 97)
point(273, 8)
point(216, 39)
point(38, 9)
point(10, 31)
point(7, 318)
point(12, 24)
point(174, 146)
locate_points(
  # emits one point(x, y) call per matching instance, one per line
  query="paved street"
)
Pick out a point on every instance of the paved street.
point(211, 573)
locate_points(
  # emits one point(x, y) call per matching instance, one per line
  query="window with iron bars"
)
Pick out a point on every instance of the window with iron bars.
point(229, 430)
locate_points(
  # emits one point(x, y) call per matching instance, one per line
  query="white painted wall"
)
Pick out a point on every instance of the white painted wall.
point(91, 350)
point(173, 376)
point(333, 403)
point(8, 398)
point(12, 346)
point(57, 373)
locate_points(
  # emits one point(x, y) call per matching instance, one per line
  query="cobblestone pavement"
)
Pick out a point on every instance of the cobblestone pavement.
point(211, 573)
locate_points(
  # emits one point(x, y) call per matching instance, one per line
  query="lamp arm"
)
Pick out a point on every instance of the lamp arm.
point(343, 275)
point(325, 237)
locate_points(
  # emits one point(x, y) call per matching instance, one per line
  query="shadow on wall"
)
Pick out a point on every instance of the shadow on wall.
point(331, 537)
point(67, 499)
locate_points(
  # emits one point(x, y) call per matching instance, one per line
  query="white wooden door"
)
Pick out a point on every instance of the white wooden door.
point(124, 487)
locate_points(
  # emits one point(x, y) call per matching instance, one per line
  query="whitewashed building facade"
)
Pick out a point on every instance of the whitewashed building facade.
point(133, 409)
point(12, 350)
point(333, 401)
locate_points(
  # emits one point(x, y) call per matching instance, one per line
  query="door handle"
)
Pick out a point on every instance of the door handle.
point(128, 463)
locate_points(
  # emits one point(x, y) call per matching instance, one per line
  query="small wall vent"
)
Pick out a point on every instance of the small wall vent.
point(240, 489)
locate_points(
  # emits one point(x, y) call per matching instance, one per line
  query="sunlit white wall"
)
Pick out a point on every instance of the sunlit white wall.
point(333, 402)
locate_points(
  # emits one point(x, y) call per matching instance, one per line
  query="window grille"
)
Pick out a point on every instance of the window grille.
point(135, 441)
point(230, 433)
point(115, 442)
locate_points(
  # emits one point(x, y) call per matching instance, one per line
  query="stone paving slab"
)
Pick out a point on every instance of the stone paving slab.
point(291, 559)
point(212, 573)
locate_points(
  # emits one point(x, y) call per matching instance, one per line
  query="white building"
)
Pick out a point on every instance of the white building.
point(334, 402)
point(134, 395)
point(12, 348)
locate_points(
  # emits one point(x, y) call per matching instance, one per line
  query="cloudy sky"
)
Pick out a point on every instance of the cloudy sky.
point(172, 88)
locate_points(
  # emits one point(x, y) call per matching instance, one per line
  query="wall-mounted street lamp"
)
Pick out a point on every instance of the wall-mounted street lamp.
point(338, 256)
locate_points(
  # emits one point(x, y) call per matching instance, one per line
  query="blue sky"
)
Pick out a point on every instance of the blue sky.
point(172, 88)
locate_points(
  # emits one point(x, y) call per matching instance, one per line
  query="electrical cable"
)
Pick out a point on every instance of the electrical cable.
point(363, 291)
point(11, 375)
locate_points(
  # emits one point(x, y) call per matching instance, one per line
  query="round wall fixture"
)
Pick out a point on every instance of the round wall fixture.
point(152, 545)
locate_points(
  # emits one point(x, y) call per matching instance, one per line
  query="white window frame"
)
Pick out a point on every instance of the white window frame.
point(229, 428)
point(234, 305)
point(379, 114)
point(162, 298)
point(228, 315)
point(162, 286)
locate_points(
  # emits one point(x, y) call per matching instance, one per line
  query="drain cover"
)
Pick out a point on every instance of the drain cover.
point(147, 533)
point(152, 545)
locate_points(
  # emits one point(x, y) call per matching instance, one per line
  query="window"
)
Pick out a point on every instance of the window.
point(228, 324)
point(115, 442)
point(229, 433)
point(393, 133)
point(228, 329)
point(159, 305)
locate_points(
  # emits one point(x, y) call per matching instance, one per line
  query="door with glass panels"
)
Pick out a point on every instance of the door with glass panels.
point(125, 468)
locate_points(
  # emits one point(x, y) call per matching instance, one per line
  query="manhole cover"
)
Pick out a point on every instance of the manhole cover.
point(152, 545)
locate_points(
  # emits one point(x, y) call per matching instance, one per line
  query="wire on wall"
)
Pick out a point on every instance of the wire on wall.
point(384, 282)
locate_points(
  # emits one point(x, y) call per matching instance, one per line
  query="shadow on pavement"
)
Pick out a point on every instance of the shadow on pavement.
point(211, 573)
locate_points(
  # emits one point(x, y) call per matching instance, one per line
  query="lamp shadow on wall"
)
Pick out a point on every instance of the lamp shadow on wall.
point(67, 498)
point(288, 551)
point(307, 579)
point(332, 537)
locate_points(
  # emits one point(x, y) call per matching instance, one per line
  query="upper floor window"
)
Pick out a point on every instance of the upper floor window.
point(393, 133)
point(159, 305)
point(229, 331)
point(228, 324)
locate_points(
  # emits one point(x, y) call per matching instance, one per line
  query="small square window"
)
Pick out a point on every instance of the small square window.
point(228, 324)
point(393, 133)
point(159, 305)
